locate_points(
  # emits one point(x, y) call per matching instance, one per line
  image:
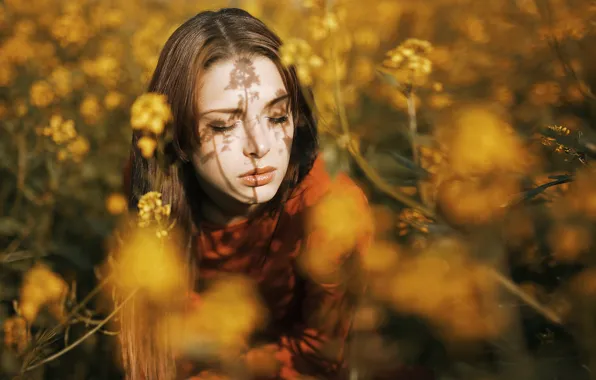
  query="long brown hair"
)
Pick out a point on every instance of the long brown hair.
point(200, 42)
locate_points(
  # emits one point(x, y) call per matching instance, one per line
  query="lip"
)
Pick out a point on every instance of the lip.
point(258, 177)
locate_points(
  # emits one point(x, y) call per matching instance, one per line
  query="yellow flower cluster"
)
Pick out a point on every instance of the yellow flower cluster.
point(299, 53)
point(61, 81)
point(71, 28)
point(556, 146)
point(560, 130)
point(334, 233)
point(105, 68)
point(223, 318)
point(480, 141)
point(409, 62)
point(16, 333)
point(412, 219)
point(151, 265)
point(451, 282)
point(42, 287)
point(150, 113)
point(63, 133)
point(116, 203)
point(152, 212)
point(321, 26)
point(41, 94)
point(90, 109)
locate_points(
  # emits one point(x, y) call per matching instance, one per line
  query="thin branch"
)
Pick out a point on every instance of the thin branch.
point(529, 300)
point(84, 337)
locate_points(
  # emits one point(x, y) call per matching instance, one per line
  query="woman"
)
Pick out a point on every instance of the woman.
point(244, 172)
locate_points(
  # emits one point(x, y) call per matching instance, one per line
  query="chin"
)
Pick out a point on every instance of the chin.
point(260, 195)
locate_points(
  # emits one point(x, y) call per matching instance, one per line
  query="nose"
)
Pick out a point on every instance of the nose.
point(257, 143)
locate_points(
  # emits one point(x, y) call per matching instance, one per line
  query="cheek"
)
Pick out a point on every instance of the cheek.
point(284, 137)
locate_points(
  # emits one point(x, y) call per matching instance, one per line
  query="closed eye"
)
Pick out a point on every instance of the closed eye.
point(223, 127)
point(278, 120)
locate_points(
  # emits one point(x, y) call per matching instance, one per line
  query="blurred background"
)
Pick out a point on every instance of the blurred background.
point(469, 124)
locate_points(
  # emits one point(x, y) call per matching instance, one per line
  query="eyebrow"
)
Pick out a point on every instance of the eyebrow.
point(237, 110)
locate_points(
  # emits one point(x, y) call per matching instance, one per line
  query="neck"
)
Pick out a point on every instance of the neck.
point(233, 212)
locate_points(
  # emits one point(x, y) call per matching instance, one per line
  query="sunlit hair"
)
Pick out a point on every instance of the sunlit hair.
point(207, 38)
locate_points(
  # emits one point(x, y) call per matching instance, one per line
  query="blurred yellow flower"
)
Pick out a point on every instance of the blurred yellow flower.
point(568, 241)
point(78, 148)
point(150, 112)
point(460, 297)
point(476, 200)
point(90, 109)
point(7, 73)
point(113, 100)
point(106, 69)
point(147, 145)
point(479, 141)
point(61, 78)
point(42, 287)
point(225, 316)
point(71, 29)
point(546, 93)
point(333, 231)
point(16, 334)
point(366, 39)
point(299, 53)
point(151, 265)
point(381, 257)
point(116, 203)
point(41, 94)
point(60, 130)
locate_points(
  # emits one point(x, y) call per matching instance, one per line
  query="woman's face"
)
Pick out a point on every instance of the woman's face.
point(245, 130)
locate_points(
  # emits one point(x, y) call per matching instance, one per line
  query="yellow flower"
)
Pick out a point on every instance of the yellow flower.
point(91, 109)
point(78, 148)
point(151, 265)
point(7, 74)
point(481, 141)
point(41, 287)
point(61, 78)
point(147, 145)
point(41, 94)
point(150, 112)
point(153, 212)
point(298, 52)
point(409, 62)
point(116, 203)
point(16, 333)
point(60, 130)
point(225, 316)
point(112, 100)
point(334, 232)
point(71, 29)
point(380, 258)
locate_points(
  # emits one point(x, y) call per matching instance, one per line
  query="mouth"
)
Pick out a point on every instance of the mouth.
point(258, 177)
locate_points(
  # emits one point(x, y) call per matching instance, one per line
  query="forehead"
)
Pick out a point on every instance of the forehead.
point(227, 82)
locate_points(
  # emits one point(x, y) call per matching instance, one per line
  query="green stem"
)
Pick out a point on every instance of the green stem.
point(84, 337)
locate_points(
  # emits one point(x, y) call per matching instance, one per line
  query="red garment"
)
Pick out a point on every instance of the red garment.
point(266, 250)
